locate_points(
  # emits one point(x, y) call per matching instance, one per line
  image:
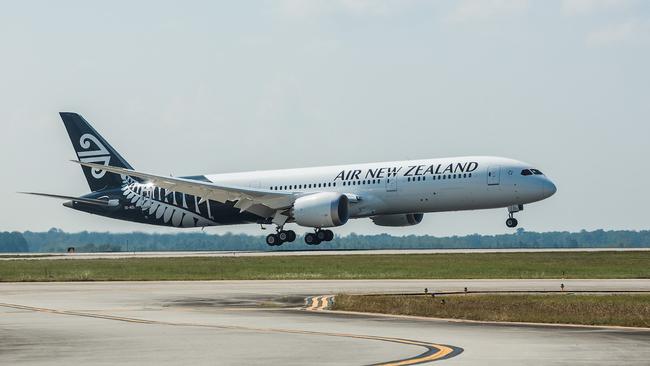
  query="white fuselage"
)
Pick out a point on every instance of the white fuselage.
point(415, 186)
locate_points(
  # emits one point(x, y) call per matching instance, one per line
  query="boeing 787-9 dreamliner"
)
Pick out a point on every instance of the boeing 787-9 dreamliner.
point(395, 193)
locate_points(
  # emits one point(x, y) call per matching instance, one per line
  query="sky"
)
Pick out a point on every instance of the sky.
point(193, 87)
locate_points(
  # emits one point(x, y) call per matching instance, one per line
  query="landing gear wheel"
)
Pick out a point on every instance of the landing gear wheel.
point(321, 235)
point(273, 240)
point(283, 236)
point(311, 239)
point(511, 222)
point(329, 235)
point(291, 236)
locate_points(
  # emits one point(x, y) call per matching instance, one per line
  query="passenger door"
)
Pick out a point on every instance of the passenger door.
point(494, 176)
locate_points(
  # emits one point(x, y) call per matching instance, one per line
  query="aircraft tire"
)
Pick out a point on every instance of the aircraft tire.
point(291, 236)
point(273, 240)
point(321, 235)
point(511, 222)
point(311, 239)
point(329, 235)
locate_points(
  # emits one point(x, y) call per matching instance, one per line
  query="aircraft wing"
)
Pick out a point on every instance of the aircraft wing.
point(247, 199)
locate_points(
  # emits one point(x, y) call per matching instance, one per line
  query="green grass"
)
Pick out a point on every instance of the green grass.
point(622, 310)
point(411, 266)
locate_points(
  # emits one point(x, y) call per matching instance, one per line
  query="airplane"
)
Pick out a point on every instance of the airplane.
point(396, 193)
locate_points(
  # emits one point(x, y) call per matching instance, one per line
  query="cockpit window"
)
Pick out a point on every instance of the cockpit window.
point(537, 172)
point(526, 172)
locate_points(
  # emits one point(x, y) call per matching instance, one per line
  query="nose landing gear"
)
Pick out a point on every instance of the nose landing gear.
point(511, 222)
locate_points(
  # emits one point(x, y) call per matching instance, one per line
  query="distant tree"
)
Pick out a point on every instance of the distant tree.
point(13, 243)
point(56, 240)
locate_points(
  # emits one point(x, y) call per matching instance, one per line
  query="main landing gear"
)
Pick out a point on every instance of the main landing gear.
point(511, 222)
point(280, 237)
point(318, 237)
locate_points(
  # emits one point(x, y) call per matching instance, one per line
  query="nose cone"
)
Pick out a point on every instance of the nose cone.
point(548, 188)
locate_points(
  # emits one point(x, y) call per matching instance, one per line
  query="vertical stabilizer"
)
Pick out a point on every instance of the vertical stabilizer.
point(91, 147)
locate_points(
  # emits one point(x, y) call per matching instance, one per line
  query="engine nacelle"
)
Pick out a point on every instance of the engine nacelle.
point(398, 220)
point(325, 209)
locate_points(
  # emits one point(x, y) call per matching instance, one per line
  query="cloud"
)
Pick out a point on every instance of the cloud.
point(630, 32)
point(479, 10)
point(583, 7)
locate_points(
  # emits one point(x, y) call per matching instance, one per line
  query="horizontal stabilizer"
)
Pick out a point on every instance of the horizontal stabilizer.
point(74, 199)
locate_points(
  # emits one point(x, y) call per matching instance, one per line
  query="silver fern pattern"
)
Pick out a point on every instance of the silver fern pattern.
point(155, 202)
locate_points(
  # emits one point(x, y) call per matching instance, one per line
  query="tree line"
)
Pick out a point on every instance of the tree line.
point(56, 240)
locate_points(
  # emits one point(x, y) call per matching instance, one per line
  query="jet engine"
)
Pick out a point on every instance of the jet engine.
point(398, 220)
point(325, 209)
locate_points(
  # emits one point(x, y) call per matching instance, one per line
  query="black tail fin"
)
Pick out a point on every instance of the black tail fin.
point(91, 147)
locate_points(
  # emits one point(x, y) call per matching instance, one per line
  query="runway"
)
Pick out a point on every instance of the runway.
point(275, 253)
point(262, 322)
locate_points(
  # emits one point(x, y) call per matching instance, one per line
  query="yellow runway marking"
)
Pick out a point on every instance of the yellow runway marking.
point(318, 302)
point(434, 351)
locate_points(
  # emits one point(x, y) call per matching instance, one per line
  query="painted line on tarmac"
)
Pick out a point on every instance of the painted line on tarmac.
point(434, 351)
point(318, 303)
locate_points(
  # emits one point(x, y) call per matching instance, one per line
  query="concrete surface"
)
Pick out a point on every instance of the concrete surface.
point(258, 322)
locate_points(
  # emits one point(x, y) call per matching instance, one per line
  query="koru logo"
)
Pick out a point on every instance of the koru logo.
point(101, 155)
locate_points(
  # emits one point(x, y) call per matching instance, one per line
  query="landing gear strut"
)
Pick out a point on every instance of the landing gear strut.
point(318, 236)
point(280, 237)
point(511, 222)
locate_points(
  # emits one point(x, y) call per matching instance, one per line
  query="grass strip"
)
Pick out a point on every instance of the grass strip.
point(619, 310)
point(406, 266)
